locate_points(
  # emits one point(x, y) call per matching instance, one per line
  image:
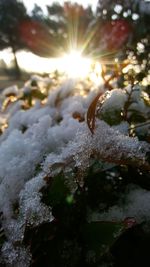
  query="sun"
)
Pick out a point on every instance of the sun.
point(74, 65)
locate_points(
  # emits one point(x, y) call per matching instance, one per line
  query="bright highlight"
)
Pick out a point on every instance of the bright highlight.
point(75, 65)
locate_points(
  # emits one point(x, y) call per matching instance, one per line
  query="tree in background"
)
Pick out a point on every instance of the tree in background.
point(64, 28)
point(68, 25)
point(117, 35)
point(37, 13)
point(36, 37)
point(123, 34)
point(39, 35)
point(12, 13)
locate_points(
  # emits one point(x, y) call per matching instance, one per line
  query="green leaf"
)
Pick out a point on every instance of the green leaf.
point(58, 190)
point(38, 94)
point(99, 236)
point(112, 116)
point(2, 238)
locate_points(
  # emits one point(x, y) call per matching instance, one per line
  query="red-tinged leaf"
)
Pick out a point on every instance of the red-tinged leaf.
point(36, 36)
point(115, 33)
point(91, 113)
point(129, 222)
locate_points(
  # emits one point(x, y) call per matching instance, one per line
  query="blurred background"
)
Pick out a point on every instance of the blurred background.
point(108, 40)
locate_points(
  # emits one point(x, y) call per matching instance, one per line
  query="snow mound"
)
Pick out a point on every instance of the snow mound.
point(54, 131)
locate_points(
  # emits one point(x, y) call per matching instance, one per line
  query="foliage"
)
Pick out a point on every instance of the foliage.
point(36, 37)
point(117, 35)
point(12, 13)
point(68, 24)
point(61, 210)
point(125, 33)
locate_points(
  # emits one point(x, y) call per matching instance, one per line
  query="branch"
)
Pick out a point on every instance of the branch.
point(112, 146)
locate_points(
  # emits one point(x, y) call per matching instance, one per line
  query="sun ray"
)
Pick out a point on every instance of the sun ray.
point(75, 65)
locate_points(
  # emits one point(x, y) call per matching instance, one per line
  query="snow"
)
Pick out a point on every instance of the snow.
point(117, 99)
point(33, 211)
point(12, 90)
point(15, 256)
point(21, 152)
point(136, 205)
point(48, 134)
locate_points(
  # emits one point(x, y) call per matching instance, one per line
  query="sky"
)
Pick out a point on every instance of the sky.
point(42, 3)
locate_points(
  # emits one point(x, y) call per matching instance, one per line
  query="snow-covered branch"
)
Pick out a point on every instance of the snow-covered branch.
point(106, 144)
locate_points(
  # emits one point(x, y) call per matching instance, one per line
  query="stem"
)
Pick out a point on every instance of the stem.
point(139, 125)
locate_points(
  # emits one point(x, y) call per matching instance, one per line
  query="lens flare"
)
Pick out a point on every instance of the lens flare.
point(75, 65)
point(96, 73)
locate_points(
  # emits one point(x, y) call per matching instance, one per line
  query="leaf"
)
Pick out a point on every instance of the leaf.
point(115, 33)
point(38, 94)
point(2, 239)
point(36, 37)
point(100, 236)
point(58, 190)
point(91, 113)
